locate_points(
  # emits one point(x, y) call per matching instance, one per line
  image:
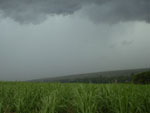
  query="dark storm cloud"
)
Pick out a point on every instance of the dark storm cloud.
point(112, 11)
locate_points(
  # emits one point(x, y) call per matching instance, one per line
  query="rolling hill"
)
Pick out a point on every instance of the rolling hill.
point(98, 77)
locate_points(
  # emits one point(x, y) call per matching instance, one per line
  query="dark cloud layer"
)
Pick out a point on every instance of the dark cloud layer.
point(111, 11)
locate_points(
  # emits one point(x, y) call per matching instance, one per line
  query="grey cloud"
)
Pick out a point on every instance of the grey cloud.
point(126, 42)
point(67, 45)
point(111, 11)
point(115, 11)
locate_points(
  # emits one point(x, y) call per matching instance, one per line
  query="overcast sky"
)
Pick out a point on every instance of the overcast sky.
point(46, 38)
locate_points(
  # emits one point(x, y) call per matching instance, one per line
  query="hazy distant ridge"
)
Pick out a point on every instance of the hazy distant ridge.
point(92, 75)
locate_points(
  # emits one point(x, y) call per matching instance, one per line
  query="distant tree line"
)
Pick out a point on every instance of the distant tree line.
point(140, 78)
point(101, 79)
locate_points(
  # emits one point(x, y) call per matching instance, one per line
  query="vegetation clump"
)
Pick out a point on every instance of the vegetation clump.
point(142, 78)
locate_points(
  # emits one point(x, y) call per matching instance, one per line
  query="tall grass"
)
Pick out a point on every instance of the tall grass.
point(21, 97)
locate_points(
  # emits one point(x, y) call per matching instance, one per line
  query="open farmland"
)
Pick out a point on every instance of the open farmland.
point(25, 97)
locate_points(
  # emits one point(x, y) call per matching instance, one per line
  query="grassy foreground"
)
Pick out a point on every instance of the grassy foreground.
point(73, 98)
